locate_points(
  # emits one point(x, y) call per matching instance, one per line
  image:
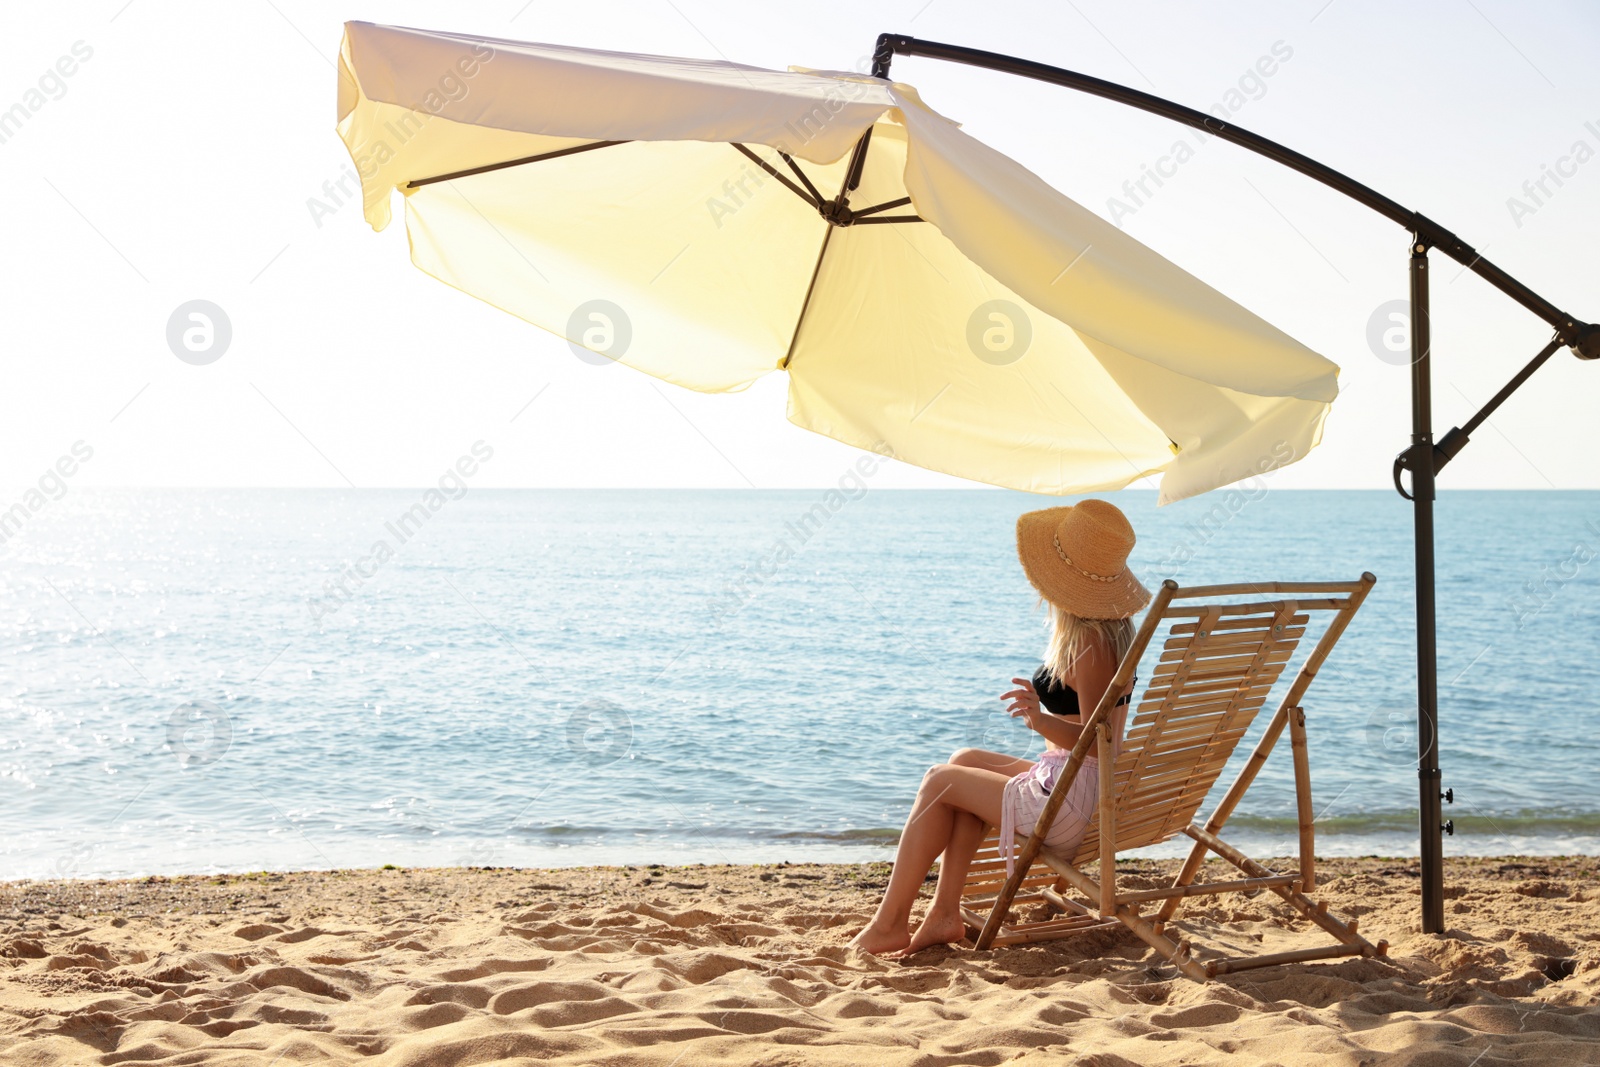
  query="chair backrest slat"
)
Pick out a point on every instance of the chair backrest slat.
point(1213, 674)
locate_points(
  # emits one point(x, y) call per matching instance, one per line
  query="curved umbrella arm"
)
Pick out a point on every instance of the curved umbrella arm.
point(1583, 338)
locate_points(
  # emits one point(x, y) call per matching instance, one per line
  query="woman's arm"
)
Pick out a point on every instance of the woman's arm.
point(1060, 732)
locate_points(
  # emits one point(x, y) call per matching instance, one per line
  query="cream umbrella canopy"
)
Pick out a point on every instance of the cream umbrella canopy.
point(930, 298)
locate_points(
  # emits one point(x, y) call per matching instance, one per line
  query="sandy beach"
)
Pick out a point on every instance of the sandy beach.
point(748, 965)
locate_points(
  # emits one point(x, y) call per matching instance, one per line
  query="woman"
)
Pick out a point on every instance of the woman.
point(1076, 557)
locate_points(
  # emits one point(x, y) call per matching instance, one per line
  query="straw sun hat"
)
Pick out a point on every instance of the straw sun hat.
point(1077, 557)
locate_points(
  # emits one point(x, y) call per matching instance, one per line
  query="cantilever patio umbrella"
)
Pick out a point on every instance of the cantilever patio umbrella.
point(709, 222)
point(930, 298)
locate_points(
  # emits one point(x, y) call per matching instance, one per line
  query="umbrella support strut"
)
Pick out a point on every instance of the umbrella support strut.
point(1423, 458)
point(1431, 844)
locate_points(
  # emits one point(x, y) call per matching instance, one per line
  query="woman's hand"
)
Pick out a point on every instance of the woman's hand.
point(1024, 703)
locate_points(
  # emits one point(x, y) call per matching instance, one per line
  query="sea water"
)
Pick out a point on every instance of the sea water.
point(195, 681)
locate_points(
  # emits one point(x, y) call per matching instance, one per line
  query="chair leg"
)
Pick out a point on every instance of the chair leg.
point(1316, 911)
point(1173, 952)
point(1002, 901)
point(1190, 871)
point(1302, 799)
point(1108, 821)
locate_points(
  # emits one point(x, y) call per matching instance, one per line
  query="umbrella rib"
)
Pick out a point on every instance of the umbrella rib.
point(798, 173)
point(805, 305)
point(868, 215)
point(885, 206)
point(770, 169)
point(887, 218)
point(418, 183)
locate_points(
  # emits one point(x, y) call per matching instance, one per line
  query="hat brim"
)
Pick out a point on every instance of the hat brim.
point(1065, 586)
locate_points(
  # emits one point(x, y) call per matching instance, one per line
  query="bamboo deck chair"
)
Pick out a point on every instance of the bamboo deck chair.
point(1214, 672)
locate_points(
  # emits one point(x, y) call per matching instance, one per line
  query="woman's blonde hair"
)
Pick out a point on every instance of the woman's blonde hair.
point(1071, 637)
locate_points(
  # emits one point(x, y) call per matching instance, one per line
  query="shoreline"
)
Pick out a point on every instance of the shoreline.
point(1390, 849)
point(747, 963)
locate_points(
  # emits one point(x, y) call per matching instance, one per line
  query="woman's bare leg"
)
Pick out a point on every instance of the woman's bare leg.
point(968, 833)
point(1010, 766)
point(947, 792)
point(943, 924)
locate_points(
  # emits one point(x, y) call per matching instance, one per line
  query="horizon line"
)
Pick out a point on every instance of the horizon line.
point(26, 487)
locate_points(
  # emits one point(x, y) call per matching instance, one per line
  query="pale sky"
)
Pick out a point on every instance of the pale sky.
point(176, 160)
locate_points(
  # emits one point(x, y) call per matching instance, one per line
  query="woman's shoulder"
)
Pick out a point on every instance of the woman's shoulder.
point(1103, 647)
point(1097, 656)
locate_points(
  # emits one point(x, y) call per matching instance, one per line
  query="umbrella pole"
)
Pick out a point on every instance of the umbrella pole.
point(1423, 458)
point(1422, 493)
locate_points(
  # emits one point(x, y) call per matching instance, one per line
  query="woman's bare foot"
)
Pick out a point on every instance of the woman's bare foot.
point(936, 930)
point(882, 941)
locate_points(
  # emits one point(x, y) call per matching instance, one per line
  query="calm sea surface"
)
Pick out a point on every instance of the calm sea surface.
point(240, 680)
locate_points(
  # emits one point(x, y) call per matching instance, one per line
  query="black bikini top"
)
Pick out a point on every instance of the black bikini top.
point(1061, 699)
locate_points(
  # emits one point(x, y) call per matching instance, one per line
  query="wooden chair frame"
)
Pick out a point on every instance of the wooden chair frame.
point(1197, 669)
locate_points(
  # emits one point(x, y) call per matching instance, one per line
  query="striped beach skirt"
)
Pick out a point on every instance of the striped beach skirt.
point(1024, 799)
